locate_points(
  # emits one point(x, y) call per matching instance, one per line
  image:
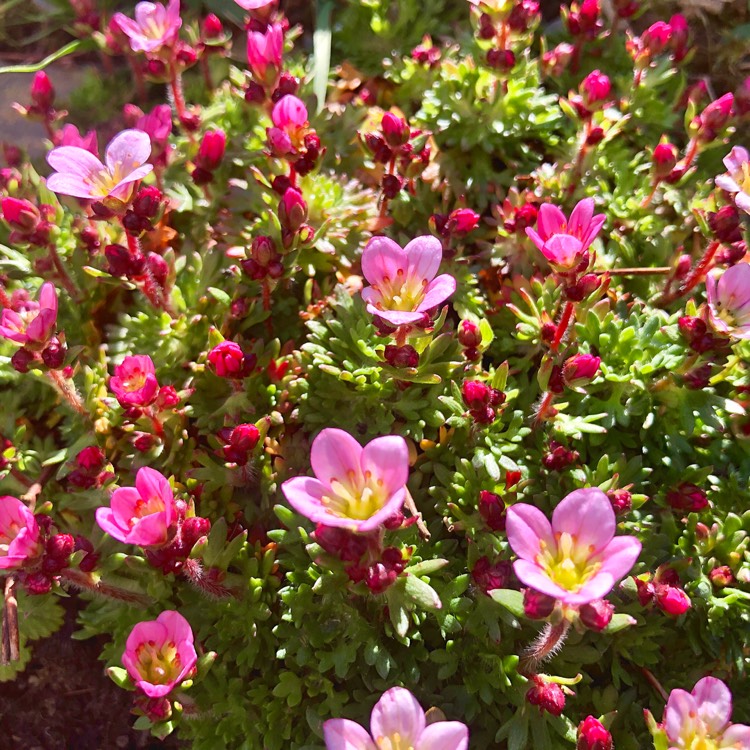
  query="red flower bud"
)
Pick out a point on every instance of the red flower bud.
point(463, 220)
point(547, 695)
point(664, 158)
point(54, 353)
point(596, 615)
point(580, 369)
point(37, 583)
point(490, 576)
point(193, 529)
point(492, 510)
point(147, 202)
point(621, 501)
point(391, 185)
point(595, 89)
point(22, 215)
point(671, 599)
point(501, 59)
point(593, 735)
point(168, 398)
point(241, 442)
point(680, 36)
point(687, 498)
point(228, 360)
point(212, 28)
point(292, 210)
point(475, 393)
point(396, 130)
point(211, 150)
point(714, 117)
point(725, 224)
point(469, 334)
point(60, 546)
point(401, 356)
point(537, 606)
point(346, 545)
point(42, 91)
point(559, 457)
point(722, 576)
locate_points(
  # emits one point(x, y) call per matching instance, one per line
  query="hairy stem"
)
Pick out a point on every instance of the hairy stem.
point(10, 648)
point(85, 582)
point(547, 644)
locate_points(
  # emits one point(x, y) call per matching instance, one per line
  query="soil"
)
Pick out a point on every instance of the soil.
point(64, 701)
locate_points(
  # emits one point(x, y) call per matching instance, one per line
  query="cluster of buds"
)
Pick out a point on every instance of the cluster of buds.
point(91, 469)
point(148, 270)
point(379, 575)
point(292, 138)
point(488, 575)
point(470, 338)
point(30, 224)
point(144, 211)
point(426, 53)
point(481, 400)
point(238, 443)
point(621, 499)
point(687, 498)
point(661, 38)
point(41, 109)
point(663, 590)
point(712, 121)
point(547, 696)
point(404, 151)
point(457, 223)
point(209, 156)
point(558, 457)
point(188, 531)
point(264, 262)
point(401, 357)
point(593, 735)
point(698, 337)
point(503, 22)
point(517, 212)
point(593, 95)
point(228, 360)
point(583, 20)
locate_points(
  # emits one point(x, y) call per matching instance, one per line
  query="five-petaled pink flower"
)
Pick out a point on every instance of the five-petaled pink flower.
point(355, 488)
point(159, 654)
point(33, 323)
point(577, 559)
point(79, 173)
point(564, 242)
point(264, 52)
point(155, 26)
point(737, 181)
point(134, 382)
point(700, 720)
point(397, 722)
point(19, 534)
point(729, 301)
point(403, 286)
point(143, 514)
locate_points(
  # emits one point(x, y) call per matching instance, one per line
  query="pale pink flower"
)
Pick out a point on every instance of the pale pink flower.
point(79, 173)
point(354, 487)
point(564, 242)
point(403, 286)
point(737, 181)
point(69, 135)
point(155, 26)
point(264, 52)
point(576, 559)
point(289, 117)
point(134, 382)
point(700, 720)
point(19, 534)
point(729, 301)
point(254, 4)
point(33, 323)
point(141, 515)
point(397, 722)
point(157, 124)
point(159, 654)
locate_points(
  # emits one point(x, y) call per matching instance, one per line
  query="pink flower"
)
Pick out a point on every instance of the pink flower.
point(577, 559)
point(159, 654)
point(700, 719)
point(354, 487)
point(729, 301)
point(79, 173)
point(134, 382)
point(289, 117)
point(397, 721)
point(563, 243)
point(141, 515)
point(19, 534)
point(157, 124)
point(71, 136)
point(254, 4)
point(34, 323)
point(403, 286)
point(264, 53)
point(737, 181)
point(155, 26)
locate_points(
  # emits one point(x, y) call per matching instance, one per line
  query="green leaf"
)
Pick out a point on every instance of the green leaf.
point(426, 567)
point(619, 621)
point(81, 45)
point(421, 593)
point(511, 599)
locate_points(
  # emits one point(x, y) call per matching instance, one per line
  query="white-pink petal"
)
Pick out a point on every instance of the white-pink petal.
point(127, 151)
point(714, 700)
point(586, 515)
point(444, 735)
point(525, 527)
point(424, 255)
point(342, 734)
point(335, 455)
point(381, 258)
point(387, 459)
point(397, 711)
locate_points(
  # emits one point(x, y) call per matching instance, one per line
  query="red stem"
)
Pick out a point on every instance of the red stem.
point(647, 200)
point(694, 276)
point(562, 326)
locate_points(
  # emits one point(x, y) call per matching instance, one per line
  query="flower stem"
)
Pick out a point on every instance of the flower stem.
point(647, 200)
point(10, 647)
point(87, 582)
point(562, 326)
point(68, 391)
point(693, 278)
point(547, 644)
point(65, 279)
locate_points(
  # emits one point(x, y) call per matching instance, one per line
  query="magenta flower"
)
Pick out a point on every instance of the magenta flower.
point(354, 487)
point(576, 559)
point(71, 136)
point(34, 322)
point(729, 301)
point(79, 173)
point(155, 26)
point(19, 534)
point(157, 124)
point(289, 117)
point(254, 4)
point(403, 286)
point(264, 53)
point(397, 722)
point(737, 181)
point(159, 654)
point(141, 515)
point(134, 382)
point(700, 720)
point(563, 243)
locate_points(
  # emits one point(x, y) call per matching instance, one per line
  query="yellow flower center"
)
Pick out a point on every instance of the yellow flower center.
point(153, 504)
point(404, 293)
point(7, 536)
point(104, 182)
point(743, 177)
point(135, 380)
point(152, 29)
point(569, 565)
point(356, 497)
point(158, 665)
point(702, 743)
point(394, 742)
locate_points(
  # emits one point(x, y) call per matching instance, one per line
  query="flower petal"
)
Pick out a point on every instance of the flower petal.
point(397, 711)
point(127, 151)
point(336, 455)
point(444, 735)
point(382, 258)
point(737, 737)
point(580, 217)
point(151, 531)
point(620, 555)
point(424, 255)
point(152, 485)
point(714, 701)
point(725, 182)
point(73, 161)
point(679, 713)
point(305, 496)
point(396, 317)
point(587, 516)
point(342, 734)
point(535, 238)
point(550, 220)
point(387, 459)
point(68, 184)
point(526, 526)
point(108, 524)
point(734, 160)
point(534, 577)
point(437, 291)
point(177, 627)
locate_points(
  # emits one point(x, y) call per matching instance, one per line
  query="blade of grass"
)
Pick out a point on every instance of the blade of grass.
point(322, 51)
point(68, 49)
